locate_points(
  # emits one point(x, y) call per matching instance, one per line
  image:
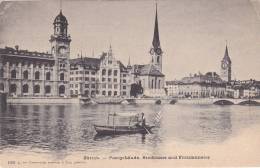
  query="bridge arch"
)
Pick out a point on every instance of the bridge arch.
point(223, 102)
point(249, 102)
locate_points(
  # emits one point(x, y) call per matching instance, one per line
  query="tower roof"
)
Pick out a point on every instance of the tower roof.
point(156, 39)
point(60, 18)
point(226, 55)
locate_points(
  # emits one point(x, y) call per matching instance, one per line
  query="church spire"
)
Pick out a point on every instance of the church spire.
point(226, 55)
point(156, 39)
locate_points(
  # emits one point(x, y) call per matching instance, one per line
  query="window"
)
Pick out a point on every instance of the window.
point(87, 72)
point(93, 79)
point(13, 74)
point(115, 72)
point(87, 79)
point(80, 78)
point(124, 93)
point(93, 86)
point(48, 76)
point(36, 89)
point(124, 87)
point(103, 72)
point(115, 93)
point(13, 88)
point(109, 79)
point(158, 59)
point(124, 81)
point(86, 92)
point(25, 75)
point(124, 75)
point(110, 86)
point(86, 85)
point(103, 93)
point(1, 73)
point(25, 88)
point(37, 75)
point(103, 85)
point(115, 86)
point(109, 72)
point(115, 80)
point(103, 79)
point(62, 76)
point(76, 85)
point(47, 89)
point(109, 93)
point(71, 92)
point(93, 73)
point(62, 89)
point(2, 86)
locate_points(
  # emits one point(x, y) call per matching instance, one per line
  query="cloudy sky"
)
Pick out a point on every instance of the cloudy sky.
point(193, 34)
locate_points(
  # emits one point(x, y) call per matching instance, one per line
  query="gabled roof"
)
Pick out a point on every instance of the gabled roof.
point(86, 62)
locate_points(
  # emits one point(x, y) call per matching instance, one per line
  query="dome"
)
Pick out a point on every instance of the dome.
point(60, 19)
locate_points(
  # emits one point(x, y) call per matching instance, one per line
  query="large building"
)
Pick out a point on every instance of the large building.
point(104, 76)
point(197, 86)
point(36, 74)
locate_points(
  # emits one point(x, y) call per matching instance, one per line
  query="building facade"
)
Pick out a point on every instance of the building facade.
point(36, 74)
point(197, 86)
point(99, 77)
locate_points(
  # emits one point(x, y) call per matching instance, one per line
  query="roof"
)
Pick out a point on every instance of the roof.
point(147, 69)
point(60, 19)
point(226, 56)
point(16, 52)
point(87, 62)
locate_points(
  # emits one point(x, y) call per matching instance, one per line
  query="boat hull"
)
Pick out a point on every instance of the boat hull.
point(111, 130)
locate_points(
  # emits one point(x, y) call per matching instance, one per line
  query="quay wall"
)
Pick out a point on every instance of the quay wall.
point(43, 100)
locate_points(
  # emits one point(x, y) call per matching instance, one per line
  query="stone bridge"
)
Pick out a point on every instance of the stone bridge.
point(226, 101)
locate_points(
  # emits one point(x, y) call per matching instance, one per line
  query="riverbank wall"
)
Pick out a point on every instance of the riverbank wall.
point(42, 100)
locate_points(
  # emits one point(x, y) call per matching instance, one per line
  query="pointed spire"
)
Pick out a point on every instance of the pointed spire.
point(156, 39)
point(129, 63)
point(226, 56)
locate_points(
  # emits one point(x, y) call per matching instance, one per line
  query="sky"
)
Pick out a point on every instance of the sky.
point(193, 34)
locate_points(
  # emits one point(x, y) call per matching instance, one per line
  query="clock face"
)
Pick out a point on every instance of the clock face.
point(224, 65)
point(158, 51)
point(62, 50)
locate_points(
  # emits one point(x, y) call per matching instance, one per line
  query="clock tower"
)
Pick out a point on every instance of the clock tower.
point(60, 49)
point(226, 67)
point(156, 51)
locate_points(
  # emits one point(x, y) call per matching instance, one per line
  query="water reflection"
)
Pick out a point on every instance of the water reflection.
point(69, 128)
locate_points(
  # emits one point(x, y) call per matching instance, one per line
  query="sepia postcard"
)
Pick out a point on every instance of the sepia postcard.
point(129, 83)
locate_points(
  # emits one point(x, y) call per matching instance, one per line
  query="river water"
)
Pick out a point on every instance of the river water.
point(62, 130)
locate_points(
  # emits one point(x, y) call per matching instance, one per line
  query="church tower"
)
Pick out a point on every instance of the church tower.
point(60, 49)
point(226, 67)
point(156, 51)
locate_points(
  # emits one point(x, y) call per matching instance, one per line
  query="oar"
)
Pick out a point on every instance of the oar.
point(146, 130)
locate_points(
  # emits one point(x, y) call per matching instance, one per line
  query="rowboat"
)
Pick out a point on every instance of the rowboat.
point(133, 126)
point(113, 130)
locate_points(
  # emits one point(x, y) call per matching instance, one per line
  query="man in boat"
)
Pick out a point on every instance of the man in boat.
point(141, 122)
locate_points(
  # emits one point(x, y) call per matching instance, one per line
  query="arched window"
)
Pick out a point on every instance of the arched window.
point(62, 89)
point(36, 89)
point(86, 93)
point(62, 76)
point(103, 93)
point(152, 83)
point(158, 59)
point(37, 75)
point(25, 88)
point(1, 73)
point(13, 74)
point(47, 89)
point(48, 76)
point(103, 72)
point(13, 88)
point(2, 87)
point(25, 74)
point(159, 84)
